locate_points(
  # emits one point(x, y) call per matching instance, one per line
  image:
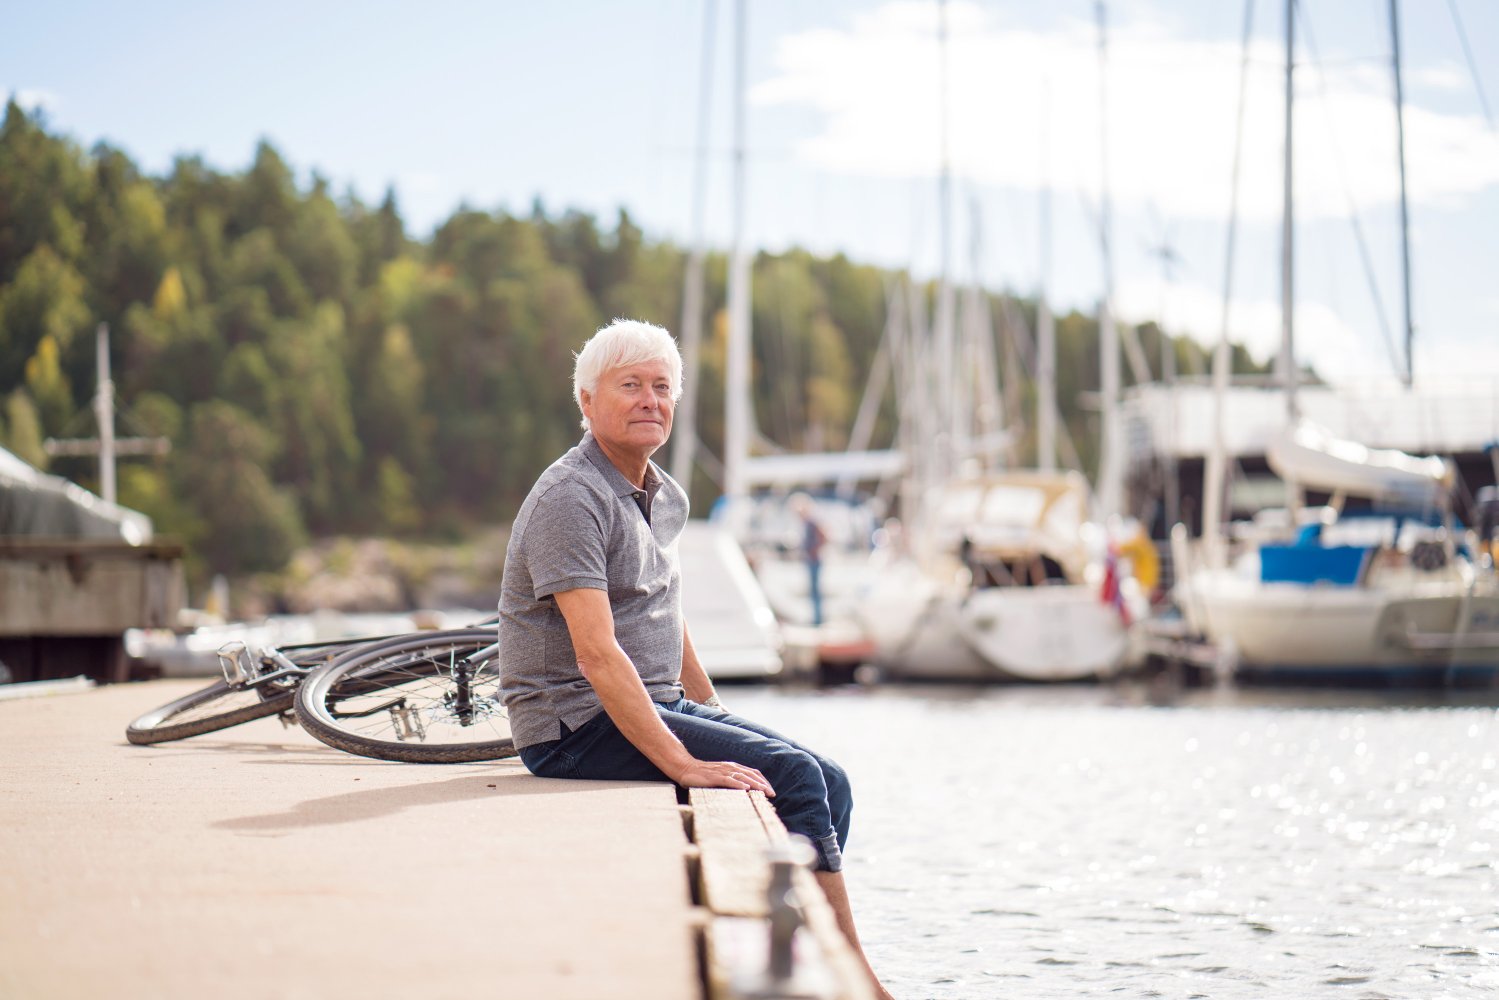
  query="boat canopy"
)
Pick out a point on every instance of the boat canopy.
point(37, 505)
point(821, 467)
point(1015, 514)
point(1308, 454)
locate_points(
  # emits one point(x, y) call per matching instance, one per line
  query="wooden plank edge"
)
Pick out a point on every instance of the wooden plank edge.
point(724, 836)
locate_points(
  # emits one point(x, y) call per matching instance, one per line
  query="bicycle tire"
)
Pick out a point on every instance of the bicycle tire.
point(179, 719)
point(348, 703)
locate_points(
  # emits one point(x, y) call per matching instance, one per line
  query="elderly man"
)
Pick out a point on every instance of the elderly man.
point(599, 675)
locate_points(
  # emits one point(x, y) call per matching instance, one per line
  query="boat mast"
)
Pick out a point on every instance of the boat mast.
point(947, 412)
point(1405, 246)
point(1287, 236)
point(737, 392)
point(1046, 330)
point(684, 450)
point(1111, 462)
point(104, 413)
point(1215, 473)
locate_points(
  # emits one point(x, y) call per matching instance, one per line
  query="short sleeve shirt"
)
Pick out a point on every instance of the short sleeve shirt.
point(585, 525)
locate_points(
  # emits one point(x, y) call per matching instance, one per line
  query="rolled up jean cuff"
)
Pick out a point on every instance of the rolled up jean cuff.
point(829, 857)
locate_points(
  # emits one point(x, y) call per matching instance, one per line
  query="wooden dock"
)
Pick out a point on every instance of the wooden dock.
point(259, 863)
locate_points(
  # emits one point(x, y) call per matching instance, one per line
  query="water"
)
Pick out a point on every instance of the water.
point(1027, 843)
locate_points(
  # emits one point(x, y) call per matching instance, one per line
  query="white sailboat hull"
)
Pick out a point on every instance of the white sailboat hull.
point(933, 648)
point(1062, 632)
point(1289, 626)
point(924, 631)
point(913, 623)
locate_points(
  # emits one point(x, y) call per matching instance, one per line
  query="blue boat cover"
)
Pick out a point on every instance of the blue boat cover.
point(1334, 564)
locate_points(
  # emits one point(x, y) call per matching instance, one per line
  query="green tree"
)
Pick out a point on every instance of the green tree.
point(24, 429)
point(48, 388)
point(244, 522)
point(127, 234)
point(267, 196)
point(321, 250)
point(391, 410)
point(45, 301)
point(44, 185)
point(379, 236)
point(310, 415)
point(316, 366)
point(397, 493)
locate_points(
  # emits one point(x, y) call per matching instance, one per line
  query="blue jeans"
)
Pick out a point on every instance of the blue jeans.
point(812, 793)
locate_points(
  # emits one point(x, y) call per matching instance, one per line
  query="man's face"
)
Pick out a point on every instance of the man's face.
point(630, 409)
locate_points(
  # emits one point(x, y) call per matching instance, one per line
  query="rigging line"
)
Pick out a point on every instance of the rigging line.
point(1353, 211)
point(1462, 34)
point(1065, 444)
point(1233, 208)
point(1214, 476)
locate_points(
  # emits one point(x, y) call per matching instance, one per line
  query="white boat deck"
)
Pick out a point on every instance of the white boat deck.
point(733, 627)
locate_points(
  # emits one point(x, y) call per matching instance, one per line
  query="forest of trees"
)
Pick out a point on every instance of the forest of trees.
point(320, 372)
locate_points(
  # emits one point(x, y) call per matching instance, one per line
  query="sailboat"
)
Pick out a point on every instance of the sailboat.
point(1005, 573)
point(1319, 592)
point(1010, 584)
point(1331, 593)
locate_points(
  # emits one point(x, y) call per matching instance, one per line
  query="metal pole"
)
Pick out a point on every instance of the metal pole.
point(1111, 459)
point(1287, 235)
point(946, 411)
point(685, 447)
point(1215, 471)
point(1046, 330)
point(738, 389)
point(1405, 245)
point(104, 413)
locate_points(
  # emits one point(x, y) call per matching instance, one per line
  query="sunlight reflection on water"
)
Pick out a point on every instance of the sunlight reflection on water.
point(1064, 842)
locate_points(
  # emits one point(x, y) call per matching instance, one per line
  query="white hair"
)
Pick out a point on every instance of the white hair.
point(624, 342)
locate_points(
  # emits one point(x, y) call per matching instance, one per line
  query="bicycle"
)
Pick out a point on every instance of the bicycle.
point(422, 697)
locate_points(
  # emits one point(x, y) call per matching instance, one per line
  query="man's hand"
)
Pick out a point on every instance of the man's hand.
point(723, 774)
point(590, 623)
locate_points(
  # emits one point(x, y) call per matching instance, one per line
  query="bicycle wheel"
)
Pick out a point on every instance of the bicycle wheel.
point(221, 705)
point(215, 707)
point(422, 699)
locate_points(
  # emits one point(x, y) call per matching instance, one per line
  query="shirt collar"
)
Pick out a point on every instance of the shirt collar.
point(621, 486)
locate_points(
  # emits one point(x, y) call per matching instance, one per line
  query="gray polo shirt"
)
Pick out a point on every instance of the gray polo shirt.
point(585, 525)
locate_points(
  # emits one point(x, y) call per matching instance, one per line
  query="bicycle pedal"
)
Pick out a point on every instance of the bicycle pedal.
point(288, 720)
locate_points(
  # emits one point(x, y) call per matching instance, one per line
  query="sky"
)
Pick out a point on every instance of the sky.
point(595, 105)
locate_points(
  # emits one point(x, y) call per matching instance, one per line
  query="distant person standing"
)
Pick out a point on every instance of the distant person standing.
point(814, 539)
point(599, 675)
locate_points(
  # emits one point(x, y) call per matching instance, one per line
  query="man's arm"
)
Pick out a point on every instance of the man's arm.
point(605, 665)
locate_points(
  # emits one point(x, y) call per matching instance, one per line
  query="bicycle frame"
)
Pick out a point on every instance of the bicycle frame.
point(243, 668)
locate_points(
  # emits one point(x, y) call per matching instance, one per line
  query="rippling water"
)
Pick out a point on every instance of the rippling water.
point(1080, 842)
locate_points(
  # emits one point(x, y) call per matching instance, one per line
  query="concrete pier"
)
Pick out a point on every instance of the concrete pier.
point(259, 863)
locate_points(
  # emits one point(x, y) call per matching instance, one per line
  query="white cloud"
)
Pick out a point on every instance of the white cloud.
point(1337, 351)
point(1171, 115)
point(1446, 77)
